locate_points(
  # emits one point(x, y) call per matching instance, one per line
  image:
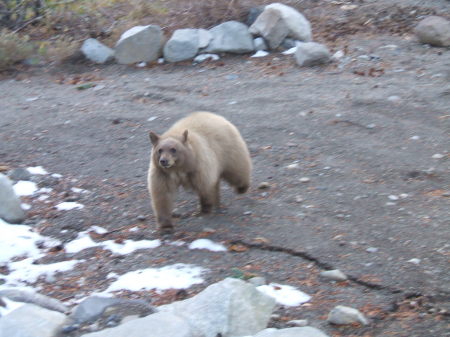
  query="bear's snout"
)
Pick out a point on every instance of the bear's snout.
point(163, 162)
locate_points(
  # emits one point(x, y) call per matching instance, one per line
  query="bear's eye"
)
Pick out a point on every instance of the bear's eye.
point(160, 151)
point(172, 150)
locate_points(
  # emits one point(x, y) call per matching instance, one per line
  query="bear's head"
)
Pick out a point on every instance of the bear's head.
point(169, 152)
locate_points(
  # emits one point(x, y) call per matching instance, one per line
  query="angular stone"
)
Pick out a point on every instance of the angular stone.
point(183, 45)
point(230, 37)
point(96, 51)
point(204, 37)
point(434, 30)
point(30, 320)
point(335, 275)
point(271, 26)
point(10, 209)
point(306, 331)
point(311, 53)
point(299, 26)
point(231, 308)
point(28, 296)
point(160, 324)
point(345, 315)
point(139, 44)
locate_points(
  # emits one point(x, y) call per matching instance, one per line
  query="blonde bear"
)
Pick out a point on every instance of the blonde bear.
point(196, 153)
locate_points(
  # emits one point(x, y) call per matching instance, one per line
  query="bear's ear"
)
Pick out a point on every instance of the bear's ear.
point(154, 138)
point(185, 135)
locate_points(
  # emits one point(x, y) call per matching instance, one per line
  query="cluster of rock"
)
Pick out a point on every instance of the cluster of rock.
point(229, 308)
point(270, 27)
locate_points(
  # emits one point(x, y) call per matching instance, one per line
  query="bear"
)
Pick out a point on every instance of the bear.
point(197, 152)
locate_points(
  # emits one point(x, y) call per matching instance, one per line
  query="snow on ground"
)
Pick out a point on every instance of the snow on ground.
point(284, 294)
point(25, 188)
point(208, 245)
point(37, 170)
point(68, 205)
point(176, 276)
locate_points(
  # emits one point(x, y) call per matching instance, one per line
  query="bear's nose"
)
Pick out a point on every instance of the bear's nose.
point(163, 162)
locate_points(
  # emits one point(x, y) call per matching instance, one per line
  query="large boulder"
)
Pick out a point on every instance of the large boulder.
point(160, 324)
point(10, 209)
point(30, 320)
point(230, 37)
point(96, 51)
point(228, 308)
point(311, 53)
point(271, 26)
point(434, 30)
point(139, 44)
point(298, 26)
point(183, 45)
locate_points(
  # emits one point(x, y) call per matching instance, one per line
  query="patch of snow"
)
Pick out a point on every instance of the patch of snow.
point(260, 53)
point(98, 229)
point(56, 175)
point(10, 306)
point(176, 276)
point(68, 205)
point(203, 57)
point(208, 245)
point(25, 188)
point(284, 294)
point(290, 51)
point(25, 207)
point(44, 190)
point(37, 170)
point(83, 241)
point(78, 190)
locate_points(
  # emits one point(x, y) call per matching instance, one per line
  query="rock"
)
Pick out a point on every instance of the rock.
point(204, 57)
point(30, 320)
point(335, 275)
point(10, 209)
point(311, 53)
point(306, 331)
point(253, 14)
point(204, 38)
point(304, 180)
point(183, 45)
point(28, 296)
point(95, 306)
point(263, 185)
point(159, 324)
point(259, 44)
point(289, 43)
point(257, 281)
point(96, 51)
point(139, 44)
point(345, 315)
point(231, 307)
point(298, 322)
point(299, 26)
point(19, 174)
point(230, 37)
point(434, 30)
point(271, 26)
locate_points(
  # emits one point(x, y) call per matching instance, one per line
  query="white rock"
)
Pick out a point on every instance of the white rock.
point(311, 53)
point(271, 25)
point(231, 308)
point(434, 30)
point(345, 315)
point(306, 331)
point(299, 26)
point(139, 44)
point(230, 37)
point(298, 322)
point(437, 156)
point(31, 321)
point(203, 57)
point(96, 51)
point(414, 261)
point(335, 275)
point(10, 209)
point(304, 180)
point(259, 44)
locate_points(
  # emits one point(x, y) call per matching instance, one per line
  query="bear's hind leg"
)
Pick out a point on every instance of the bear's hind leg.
point(210, 199)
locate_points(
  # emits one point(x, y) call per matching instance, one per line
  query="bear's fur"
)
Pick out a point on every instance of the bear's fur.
point(196, 153)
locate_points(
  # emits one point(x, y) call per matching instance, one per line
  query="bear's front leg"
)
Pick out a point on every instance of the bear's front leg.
point(162, 201)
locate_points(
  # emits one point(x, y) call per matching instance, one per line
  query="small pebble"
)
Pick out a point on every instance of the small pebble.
point(341, 315)
point(304, 180)
point(415, 261)
point(298, 199)
point(263, 185)
point(292, 166)
point(247, 213)
point(335, 275)
point(393, 197)
point(372, 250)
point(437, 156)
point(298, 322)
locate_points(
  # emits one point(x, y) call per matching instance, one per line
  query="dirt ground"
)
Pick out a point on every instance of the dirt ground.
point(370, 132)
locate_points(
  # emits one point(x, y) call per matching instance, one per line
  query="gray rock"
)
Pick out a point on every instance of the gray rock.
point(204, 38)
point(260, 44)
point(27, 296)
point(19, 174)
point(96, 51)
point(335, 275)
point(230, 37)
point(183, 45)
point(434, 30)
point(345, 315)
point(306, 331)
point(299, 26)
point(30, 320)
point(253, 14)
point(271, 26)
point(159, 324)
point(289, 43)
point(231, 308)
point(139, 44)
point(93, 307)
point(257, 281)
point(10, 209)
point(311, 53)
point(298, 322)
